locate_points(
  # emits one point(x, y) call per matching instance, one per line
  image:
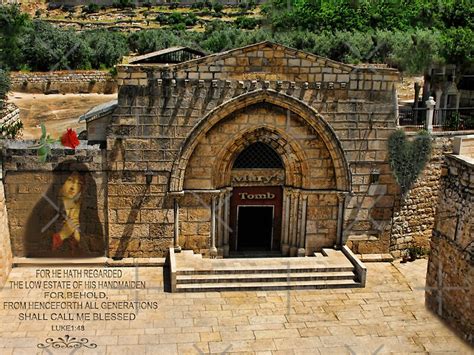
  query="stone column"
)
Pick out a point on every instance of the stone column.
point(219, 221)
point(213, 249)
point(302, 226)
point(227, 220)
point(340, 219)
point(285, 248)
point(430, 105)
point(177, 247)
point(294, 223)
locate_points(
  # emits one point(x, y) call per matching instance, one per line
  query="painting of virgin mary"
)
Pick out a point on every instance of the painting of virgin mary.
point(65, 222)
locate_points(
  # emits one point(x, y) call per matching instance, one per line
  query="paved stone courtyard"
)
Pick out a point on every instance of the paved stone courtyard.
point(388, 316)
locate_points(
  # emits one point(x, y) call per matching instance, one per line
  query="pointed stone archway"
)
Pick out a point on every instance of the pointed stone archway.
point(309, 115)
point(316, 174)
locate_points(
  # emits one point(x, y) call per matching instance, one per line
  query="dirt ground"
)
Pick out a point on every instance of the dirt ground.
point(406, 89)
point(58, 112)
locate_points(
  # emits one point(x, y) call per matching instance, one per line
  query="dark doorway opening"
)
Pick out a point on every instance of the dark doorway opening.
point(255, 228)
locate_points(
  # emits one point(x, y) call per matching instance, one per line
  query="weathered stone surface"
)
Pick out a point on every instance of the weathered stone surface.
point(5, 248)
point(69, 81)
point(449, 279)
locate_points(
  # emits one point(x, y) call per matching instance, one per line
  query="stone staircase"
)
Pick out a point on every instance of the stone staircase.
point(329, 269)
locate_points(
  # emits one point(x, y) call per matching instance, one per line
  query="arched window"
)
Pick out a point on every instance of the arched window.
point(258, 155)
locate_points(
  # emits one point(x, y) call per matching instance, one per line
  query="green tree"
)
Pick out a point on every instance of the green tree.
point(458, 46)
point(46, 47)
point(107, 48)
point(13, 24)
point(4, 86)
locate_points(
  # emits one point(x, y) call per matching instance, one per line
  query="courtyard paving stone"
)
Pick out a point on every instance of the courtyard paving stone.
point(387, 316)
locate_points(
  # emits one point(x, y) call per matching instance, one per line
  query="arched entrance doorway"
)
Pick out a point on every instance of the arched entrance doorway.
point(257, 180)
point(219, 190)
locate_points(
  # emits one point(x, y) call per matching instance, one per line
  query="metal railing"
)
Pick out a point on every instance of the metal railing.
point(446, 119)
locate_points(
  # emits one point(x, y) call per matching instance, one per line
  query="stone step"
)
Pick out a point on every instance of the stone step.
point(264, 277)
point(258, 286)
point(277, 269)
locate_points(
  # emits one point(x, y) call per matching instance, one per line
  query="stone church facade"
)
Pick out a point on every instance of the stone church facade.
point(261, 148)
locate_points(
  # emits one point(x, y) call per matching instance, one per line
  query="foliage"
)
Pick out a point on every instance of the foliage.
point(415, 252)
point(12, 130)
point(217, 7)
point(123, 4)
point(13, 24)
point(176, 18)
point(247, 23)
point(46, 47)
point(458, 46)
point(408, 158)
point(153, 40)
point(410, 35)
point(43, 145)
point(107, 48)
point(247, 4)
point(4, 85)
point(91, 8)
point(364, 15)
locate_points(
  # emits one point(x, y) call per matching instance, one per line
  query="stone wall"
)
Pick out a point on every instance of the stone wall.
point(413, 217)
point(161, 109)
point(141, 2)
point(9, 115)
point(5, 248)
point(178, 126)
point(33, 190)
point(63, 82)
point(451, 264)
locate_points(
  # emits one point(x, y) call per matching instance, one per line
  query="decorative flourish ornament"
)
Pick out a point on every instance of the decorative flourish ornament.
point(67, 342)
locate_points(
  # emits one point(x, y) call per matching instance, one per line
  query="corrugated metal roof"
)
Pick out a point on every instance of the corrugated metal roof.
point(99, 111)
point(163, 52)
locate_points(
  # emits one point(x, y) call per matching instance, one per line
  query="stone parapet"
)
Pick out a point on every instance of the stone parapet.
point(62, 82)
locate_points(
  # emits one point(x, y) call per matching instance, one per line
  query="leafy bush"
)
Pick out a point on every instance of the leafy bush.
point(107, 48)
point(217, 7)
point(408, 159)
point(173, 5)
point(91, 8)
point(247, 4)
point(13, 25)
point(47, 48)
point(123, 4)
point(174, 18)
point(12, 130)
point(458, 46)
point(4, 85)
point(198, 5)
point(247, 23)
point(153, 40)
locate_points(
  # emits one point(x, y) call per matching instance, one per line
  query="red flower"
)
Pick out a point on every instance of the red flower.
point(69, 139)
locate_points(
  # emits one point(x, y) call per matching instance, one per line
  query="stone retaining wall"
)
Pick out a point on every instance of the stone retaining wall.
point(451, 264)
point(9, 115)
point(63, 82)
point(141, 2)
point(413, 217)
point(5, 248)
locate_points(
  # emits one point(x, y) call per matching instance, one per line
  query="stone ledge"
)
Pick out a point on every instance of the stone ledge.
point(370, 258)
point(100, 261)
